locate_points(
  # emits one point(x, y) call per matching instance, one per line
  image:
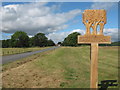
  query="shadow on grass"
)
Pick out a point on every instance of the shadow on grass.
point(107, 83)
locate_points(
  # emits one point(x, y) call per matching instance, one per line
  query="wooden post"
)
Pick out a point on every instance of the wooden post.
point(91, 19)
point(94, 66)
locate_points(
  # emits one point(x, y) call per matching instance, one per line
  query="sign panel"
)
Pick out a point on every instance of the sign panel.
point(88, 39)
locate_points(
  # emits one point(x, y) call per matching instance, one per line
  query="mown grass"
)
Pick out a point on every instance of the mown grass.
point(10, 51)
point(66, 67)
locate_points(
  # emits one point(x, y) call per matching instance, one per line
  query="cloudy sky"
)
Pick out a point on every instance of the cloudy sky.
point(55, 19)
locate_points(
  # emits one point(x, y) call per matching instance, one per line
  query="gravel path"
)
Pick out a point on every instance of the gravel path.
point(6, 59)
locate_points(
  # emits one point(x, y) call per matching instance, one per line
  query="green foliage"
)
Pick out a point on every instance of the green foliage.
point(6, 43)
point(31, 42)
point(40, 40)
point(20, 39)
point(71, 39)
point(50, 43)
point(59, 43)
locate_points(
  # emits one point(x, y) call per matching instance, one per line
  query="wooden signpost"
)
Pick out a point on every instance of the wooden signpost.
point(91, 19)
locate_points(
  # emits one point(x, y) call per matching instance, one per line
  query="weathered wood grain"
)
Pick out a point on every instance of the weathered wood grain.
point(88, 39)
point(94, 66)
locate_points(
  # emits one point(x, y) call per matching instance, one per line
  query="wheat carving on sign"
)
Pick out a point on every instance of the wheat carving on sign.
point(92, 19)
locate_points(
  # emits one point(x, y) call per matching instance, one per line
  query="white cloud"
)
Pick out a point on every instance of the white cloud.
point(35, 17)
point(30, 36)
point(113, 32)
point(102, 5)
point(59, 36)
point(82, 32)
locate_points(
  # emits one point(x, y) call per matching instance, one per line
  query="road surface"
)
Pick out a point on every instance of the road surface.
point(10, 58)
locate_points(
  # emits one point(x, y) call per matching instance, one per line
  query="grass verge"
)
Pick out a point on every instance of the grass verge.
point(66, 67)
point(10, 51)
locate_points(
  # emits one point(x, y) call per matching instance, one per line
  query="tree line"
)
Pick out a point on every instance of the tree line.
point(21, 39)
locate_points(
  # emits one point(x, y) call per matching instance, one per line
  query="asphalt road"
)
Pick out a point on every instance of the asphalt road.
point(10, 58)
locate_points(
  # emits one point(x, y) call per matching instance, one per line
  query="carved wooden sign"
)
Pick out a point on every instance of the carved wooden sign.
point(91, 19)
point(94, 39)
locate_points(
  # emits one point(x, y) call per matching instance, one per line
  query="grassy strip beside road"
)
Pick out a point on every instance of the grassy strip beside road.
point(66, 67)
point(17, 63)
point(10, 51)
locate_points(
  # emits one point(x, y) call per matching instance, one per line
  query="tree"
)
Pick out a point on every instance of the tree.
point(31, 42)
point(20, 39)
point(59, 43)
point(6, 43)
point(71, 39)
point(40, 40)
point(50, 43)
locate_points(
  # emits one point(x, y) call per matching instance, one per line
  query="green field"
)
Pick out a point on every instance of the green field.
point(9, 51)
point(66, 67)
